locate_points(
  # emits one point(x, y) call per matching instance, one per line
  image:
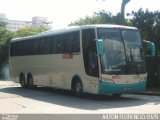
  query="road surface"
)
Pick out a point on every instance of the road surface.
point(14, 99)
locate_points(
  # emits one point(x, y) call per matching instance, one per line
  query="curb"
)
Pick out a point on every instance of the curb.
point(9, 85)
point(150, 93)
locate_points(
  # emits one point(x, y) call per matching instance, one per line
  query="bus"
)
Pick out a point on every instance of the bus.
point(97, 59)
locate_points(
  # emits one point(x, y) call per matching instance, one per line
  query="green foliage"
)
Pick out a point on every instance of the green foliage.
point(2, 24)
point(102, 17)
point(149, 25)
point(145, 21)
point(87, 20)
point(5, 37)
point(28, 31)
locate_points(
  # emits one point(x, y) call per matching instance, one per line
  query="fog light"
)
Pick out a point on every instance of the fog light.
point(107, 80)
point(143, 79)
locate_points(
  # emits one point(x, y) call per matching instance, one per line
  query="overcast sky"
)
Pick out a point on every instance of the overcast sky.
point(63, 12)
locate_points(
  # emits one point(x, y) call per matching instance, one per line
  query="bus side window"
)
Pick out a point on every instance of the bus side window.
point(53, 44)
point(66, 43)
point(60, 47)
point(26, 51)
point(37, 47)
point(71, 42)
point(76, 42)
point(50, 45)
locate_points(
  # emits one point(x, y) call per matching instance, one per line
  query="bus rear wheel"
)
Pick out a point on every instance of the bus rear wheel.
point(30, 82)
point(78, 88)
point(22, 81)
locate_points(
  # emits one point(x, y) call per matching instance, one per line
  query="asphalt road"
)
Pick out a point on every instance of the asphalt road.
point(14, 99)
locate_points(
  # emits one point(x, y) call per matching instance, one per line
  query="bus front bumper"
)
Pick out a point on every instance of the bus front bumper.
point(112, 88)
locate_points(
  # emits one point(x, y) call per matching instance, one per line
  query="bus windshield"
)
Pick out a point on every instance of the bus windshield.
point(123, 52)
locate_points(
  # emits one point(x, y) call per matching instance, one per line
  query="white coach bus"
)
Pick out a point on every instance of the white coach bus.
point(98, 59)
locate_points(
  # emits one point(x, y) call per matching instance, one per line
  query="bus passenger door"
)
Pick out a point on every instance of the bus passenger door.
point(90, 59)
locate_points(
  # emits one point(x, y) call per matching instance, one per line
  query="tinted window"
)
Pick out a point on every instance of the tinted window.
point(89, 52)
point(54, 44)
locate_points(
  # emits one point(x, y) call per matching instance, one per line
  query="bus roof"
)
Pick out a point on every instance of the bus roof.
point(74, 28)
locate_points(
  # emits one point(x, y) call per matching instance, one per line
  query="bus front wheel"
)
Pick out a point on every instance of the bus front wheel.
point(78, 88)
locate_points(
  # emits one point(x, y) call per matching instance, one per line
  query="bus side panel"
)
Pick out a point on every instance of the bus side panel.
point(52, 71)
point(14, 69)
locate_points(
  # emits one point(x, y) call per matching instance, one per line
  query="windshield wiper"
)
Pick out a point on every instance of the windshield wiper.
point(116, 55)
point(132, 59)
point(116, 72)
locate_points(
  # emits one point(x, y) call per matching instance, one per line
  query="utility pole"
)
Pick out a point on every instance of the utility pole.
point(124, 2)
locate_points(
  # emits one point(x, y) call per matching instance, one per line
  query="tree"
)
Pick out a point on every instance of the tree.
point(5, 37)
point(145, 22)
point(28, 31)
point(149, 25)
point(102, 17)
point(3, 24)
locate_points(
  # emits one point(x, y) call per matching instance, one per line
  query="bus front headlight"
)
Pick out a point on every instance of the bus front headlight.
point(143, 79)
point(107, 80)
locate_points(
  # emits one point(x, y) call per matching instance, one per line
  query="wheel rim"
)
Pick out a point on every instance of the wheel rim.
point(78, 88)
point(22, 81)
point(30, 82)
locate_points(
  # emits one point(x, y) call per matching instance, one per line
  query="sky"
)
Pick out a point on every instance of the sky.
point(63, 12)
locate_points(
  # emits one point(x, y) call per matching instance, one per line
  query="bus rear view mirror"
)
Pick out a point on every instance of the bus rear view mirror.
point(149, 48)
point(100, 46)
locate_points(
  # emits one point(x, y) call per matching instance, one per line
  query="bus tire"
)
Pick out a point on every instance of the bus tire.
point(78, 88)
point(117, 95)
point(22, 81)
point(30, 82)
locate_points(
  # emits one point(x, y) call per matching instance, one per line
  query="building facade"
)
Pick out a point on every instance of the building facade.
point(15, 25)
point(2, 16)
point(41, 21)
